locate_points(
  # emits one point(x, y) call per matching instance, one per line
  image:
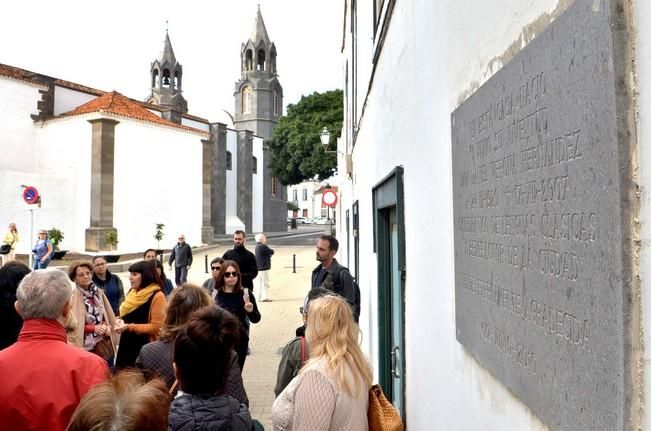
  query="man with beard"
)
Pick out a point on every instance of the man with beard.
point(333, 276)
point(244, 258)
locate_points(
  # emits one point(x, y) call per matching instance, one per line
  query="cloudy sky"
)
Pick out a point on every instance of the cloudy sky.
point(110, 45)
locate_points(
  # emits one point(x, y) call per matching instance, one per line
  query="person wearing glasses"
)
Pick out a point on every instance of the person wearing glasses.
point(240, 301)
point(209, 284)
point(182, 254)
point(42, 251)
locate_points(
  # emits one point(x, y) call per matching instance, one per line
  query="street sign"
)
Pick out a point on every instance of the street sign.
point(30, 195)
point(329, 198)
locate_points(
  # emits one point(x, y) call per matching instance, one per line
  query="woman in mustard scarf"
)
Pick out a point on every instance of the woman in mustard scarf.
point(141, 314)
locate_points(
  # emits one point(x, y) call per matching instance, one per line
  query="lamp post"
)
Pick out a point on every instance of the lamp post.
point(325, 140)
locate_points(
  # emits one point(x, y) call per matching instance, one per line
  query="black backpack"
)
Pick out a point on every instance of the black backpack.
point(337, 281)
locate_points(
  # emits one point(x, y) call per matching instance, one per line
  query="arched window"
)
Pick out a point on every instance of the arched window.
point(272, 62)
point(177, 80)
point(255, 165)
point(261, 60)
point(166, 77)
point(248, 63)
point(246, 100)
point(276, 102)
point(229, 161)
point(154, 79)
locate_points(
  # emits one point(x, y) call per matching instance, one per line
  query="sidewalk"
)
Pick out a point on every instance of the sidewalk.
point(280, 318)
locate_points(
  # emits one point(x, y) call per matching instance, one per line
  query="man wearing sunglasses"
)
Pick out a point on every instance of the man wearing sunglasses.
point(244, 258)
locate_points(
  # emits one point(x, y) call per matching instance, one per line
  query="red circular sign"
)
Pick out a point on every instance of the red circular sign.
point(30, 195)
point(329, 198)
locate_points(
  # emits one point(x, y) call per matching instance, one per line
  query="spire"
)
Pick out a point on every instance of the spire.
point(168, 53)
point(259, 30)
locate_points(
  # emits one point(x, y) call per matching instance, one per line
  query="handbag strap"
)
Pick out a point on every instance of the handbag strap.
point(303, 351)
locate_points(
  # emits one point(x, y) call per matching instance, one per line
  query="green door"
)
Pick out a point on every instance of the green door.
point(389, 246)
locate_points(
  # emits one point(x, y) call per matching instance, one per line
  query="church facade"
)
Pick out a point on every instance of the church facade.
point(103, 162)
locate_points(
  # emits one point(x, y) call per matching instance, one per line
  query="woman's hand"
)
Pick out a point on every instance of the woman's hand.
point(248, 305)
point(102, 329)
point(120, 326)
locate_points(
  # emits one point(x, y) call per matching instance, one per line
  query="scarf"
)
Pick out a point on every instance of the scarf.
point(135, 298)
point(93, 313)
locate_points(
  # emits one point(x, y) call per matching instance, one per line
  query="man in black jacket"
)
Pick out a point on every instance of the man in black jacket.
point(182, 253)
point(263, 256)
point(333, 276)
point(244, 258)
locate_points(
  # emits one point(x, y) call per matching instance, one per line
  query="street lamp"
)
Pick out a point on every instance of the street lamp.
point(325, 140)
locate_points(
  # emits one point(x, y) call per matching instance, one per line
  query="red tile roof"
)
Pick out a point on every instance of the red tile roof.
point(116, 103)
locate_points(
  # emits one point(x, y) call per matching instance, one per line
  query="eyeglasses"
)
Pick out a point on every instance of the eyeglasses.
point(301, 309)
point(229, 274)
point(42, 233)
point(215, 268)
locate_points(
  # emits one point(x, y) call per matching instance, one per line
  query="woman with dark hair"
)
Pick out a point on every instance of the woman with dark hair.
point(109, 282)
point(156, 357)
point(141, 313)
point(215, 267)
point(92, 313)
point(239, 301)
point(202, 353)
point(167, 283)
point(11, 323)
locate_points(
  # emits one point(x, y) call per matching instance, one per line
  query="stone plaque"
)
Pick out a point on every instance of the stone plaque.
point(539, 224)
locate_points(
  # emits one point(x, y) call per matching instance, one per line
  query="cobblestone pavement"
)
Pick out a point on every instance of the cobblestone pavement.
point(280, 318)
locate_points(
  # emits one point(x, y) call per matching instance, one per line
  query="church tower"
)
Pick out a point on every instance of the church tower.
point(166, 84)
point(258, 94)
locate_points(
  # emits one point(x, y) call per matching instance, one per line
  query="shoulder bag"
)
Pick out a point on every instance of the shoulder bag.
point(382, 415)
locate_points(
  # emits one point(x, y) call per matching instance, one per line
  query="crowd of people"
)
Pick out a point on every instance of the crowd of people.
point(78, 353)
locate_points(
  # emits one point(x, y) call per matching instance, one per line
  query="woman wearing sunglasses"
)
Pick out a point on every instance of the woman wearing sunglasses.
point(239, 301)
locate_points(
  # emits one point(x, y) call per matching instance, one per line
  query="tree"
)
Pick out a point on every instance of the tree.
point(296, 151)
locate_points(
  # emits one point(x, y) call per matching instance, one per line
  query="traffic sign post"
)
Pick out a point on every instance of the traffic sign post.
point(31, 197)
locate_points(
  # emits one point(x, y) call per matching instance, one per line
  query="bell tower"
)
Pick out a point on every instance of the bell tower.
point(167, 84)
point(258, 93)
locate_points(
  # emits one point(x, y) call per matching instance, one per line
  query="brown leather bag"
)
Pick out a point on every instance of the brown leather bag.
point(382, 415)
point(104, 348)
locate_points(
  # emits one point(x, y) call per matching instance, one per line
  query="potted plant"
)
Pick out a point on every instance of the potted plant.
point(111, 239)
point(158, 236)
point(55, 236)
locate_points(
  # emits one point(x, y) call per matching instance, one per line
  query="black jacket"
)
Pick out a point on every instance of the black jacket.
point(339, 280)
point(208, 413)
point(263, 256)
point(248, 265)
point(182, 254)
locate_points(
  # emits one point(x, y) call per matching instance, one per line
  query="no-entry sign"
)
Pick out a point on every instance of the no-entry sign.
point(30, 195)
point(329, 198)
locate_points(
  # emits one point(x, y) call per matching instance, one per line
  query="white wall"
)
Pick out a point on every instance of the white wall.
point(196, 124)
point(18, 101)
point(433, 53)
point(233, 222)
point(66, 100)
point(312, 204)
point(156, 181)
point(258, 186)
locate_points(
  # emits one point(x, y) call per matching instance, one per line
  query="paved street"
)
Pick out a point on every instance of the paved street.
point(279, 317)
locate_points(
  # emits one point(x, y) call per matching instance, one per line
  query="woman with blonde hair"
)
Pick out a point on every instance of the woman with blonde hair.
point(331, 390)
point(155, 358)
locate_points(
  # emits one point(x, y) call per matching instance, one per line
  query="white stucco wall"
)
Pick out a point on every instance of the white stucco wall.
point(311, 204)
point(195, 124)
point(258, 186)
point(233, 222)
point(433, 53)
point(18, 101)
point(66, 100)
point(156, 181)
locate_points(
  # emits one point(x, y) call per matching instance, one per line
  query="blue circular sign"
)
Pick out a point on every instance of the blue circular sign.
point(30, 195)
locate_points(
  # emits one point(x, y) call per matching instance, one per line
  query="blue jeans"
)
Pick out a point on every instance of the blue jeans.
point(37, 264)
point(180, 275)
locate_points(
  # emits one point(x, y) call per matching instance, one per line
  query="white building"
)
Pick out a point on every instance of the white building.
point(103, 162)
point(407, 67)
